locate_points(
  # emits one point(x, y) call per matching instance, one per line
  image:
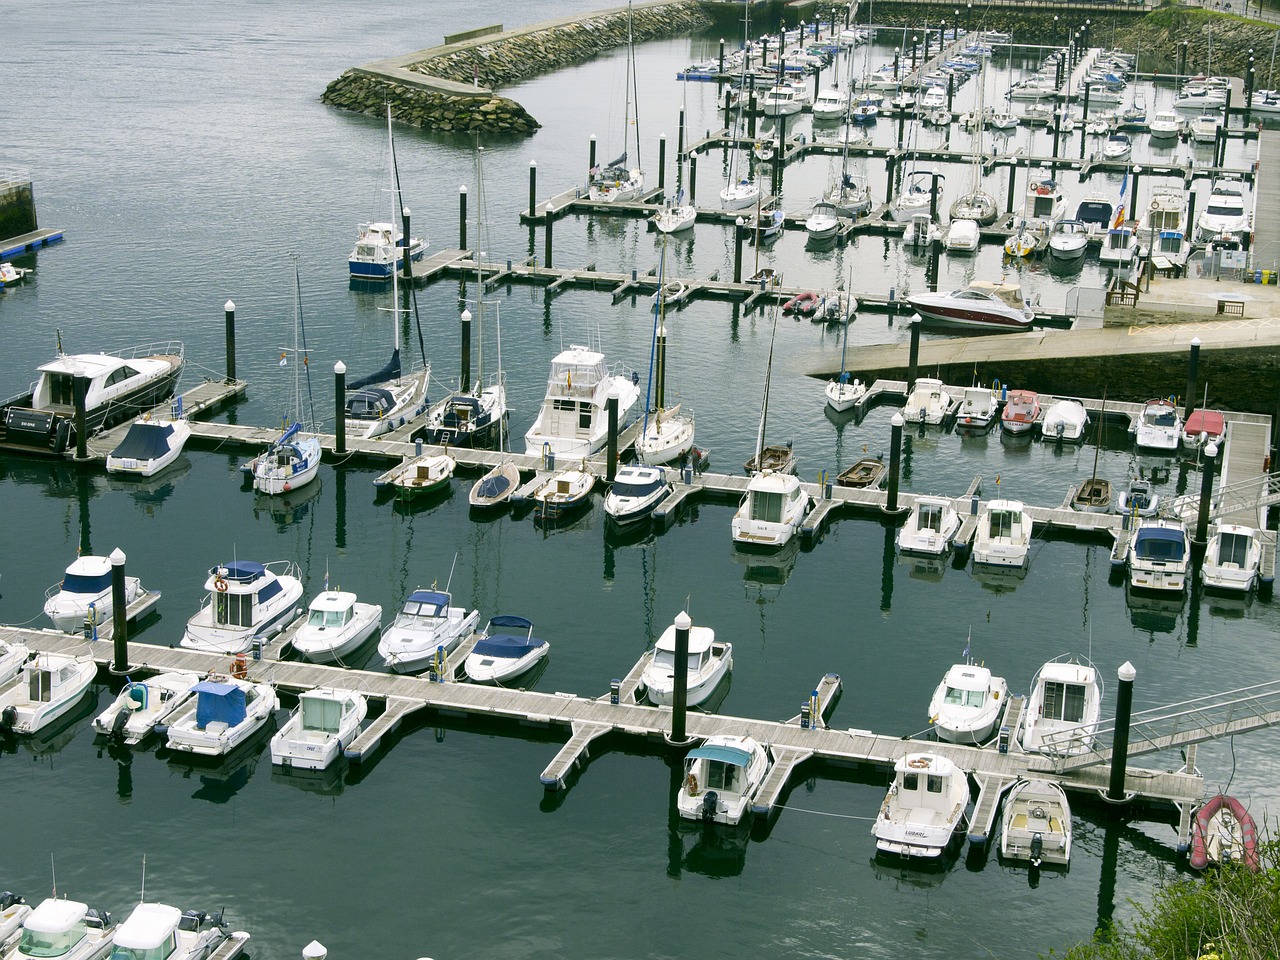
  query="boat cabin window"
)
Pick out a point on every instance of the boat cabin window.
point(766, 506)
point(327, 618)
point(1063, 701)
point(233, 609)
point(1003, 523)
point(1230, 209)
point(119, 375)
point(79, 583)
point(931, 518)
point(321, 715)
point(1159, 548)
point(415, 609)
point(60, 389)
point(724, 776)
point(39, 690)
point(1170, 243)
point(911, 781)
point(1233, 548)
point(934, 784)
point(965, 698)
point(36, 943)
point(165, 949)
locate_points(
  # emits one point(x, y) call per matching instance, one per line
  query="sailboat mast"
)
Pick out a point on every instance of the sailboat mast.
point(479, 271)
point(631, 87)
point(1097, 435)
point(764, 406)
point(395, 213)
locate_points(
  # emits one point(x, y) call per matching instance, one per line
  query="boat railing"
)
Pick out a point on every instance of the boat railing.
point(1251, 494)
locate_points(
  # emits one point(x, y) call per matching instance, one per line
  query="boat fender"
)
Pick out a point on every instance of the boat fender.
point(691, 784)
point(61, 438)
point(220, 584)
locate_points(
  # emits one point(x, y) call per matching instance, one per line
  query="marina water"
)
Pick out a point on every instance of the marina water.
point(184, 151)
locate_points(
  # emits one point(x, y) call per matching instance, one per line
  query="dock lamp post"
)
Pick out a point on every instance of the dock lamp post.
point(1055, 28)
point(968, 19)
point(915, 42)
point(340, 408)
point(120, 615)
point(738, 224)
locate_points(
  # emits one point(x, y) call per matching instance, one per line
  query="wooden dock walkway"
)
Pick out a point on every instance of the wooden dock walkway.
point(26, 242)
point(202, 400)
point(588, 719)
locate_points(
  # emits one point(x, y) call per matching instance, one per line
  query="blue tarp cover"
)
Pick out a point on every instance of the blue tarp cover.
point(429, 596)
point(242, 571)
point(1160, 543)
point(218, 701)
point(144, 441)
point(734, 755)
point(390, 372)
point(510, 622)
point(507, 647)
point(490, 487)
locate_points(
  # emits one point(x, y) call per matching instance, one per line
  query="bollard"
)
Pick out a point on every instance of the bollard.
point(1120, 740)
point(615, 691)
point(895, 461)
point(339, 408)
point(229, 309)
point(462, 214)
point(913, 356)
point(591, 153)
point(464, 374)
point(738, 224)
point(611, 463)
point(721, 60)
point(79, 387)
point(1193, 365)
point(120, 615)
point(680, 687)
point(546, 247)
point(533, 187)
point(662, 160)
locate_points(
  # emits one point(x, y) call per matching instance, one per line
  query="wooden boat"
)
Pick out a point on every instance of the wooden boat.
point(1224, 832)
point(867, 472)
point(779, 458)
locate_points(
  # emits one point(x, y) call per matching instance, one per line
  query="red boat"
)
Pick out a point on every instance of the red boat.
point(1203, 426)
point(803, 304)
point(1224, 832)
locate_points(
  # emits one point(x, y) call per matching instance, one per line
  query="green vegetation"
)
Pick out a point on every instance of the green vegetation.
point(1228, 914)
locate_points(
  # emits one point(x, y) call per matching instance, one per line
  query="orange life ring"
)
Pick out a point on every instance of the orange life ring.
point(220, 584)
point(691, 784)
point(918, 763)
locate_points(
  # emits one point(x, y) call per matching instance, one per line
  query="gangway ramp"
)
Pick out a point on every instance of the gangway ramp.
point(1164, 728)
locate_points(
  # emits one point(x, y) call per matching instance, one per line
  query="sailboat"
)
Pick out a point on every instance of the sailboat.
point(495, 488)
point(292, 460)
point(741, 191)
point(1094, 495)
point(776, 502)
point(616, 182)
point(676, 215)
point(667, 434)
point(842, 393)
point(470, 417)
point(977, 204)
point(388, 399)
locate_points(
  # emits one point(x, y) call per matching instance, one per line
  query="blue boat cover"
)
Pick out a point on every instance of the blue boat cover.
point(241, 571)
point(510, 622)
point(144, 441)
point(1160, 543)
point(491, 487)
point(733, 755)
point(390, 372)
point(507, 647)
point(218, 701)
point(429, 596)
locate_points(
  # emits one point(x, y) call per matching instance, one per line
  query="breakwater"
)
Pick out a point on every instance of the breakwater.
point(451, 87)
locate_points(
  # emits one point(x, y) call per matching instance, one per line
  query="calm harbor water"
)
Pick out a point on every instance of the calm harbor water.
point(185, 153)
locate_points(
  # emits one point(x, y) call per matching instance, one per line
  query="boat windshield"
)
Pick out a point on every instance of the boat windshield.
point(42, 943)
point(724, 777)
point(930, 518)
point(1004, 523)
point(319, 714)
point(623, 488)
point(965, 698)
point(766, 506)
point(1063, 701)
point(82, 583)
point(415, 609)
point(327, 618)
point(158, 952)
point(1233, 548)
point(667, 659)
point(1233, 209)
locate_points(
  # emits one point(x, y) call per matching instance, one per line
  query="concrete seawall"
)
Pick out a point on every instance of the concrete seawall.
point(452, 87)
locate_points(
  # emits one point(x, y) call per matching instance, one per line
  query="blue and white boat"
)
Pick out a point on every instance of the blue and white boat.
point(86, 585)
point(226, 713)
point(247, 600)
point(151, 444)
point(722, 778)
point(289, 463)
point(1159, 555)
point(507, 649)
point(145, 705)
point(635, 492)
point(380, 246)
point(426, 625)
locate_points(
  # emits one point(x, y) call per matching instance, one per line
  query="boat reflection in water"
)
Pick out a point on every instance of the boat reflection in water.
point(1154, 612)
point(220, 782)
point(286, 509)
point(151, 491)
point(53, 738)
point(769, 570)
point(327, 782)
point(998, 579)
point(929, 569)
point(711, 849)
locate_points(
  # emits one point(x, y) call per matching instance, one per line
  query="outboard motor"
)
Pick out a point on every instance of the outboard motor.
point(192, 920)
point(709, 803)
point(97, 917)
point(118, 725)
point(8, 719)
point(9, 899)
point(1037, 848)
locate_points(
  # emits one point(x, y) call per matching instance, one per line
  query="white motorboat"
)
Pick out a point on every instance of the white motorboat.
point(572, 422)
point(1225, 211)
point(924, 810)
point(1159, 555)
point(1121, 245)
point(1066, 419)
point(1097, 214)
point(967, 704)
point(920, 231)
point(13, 910)
point(780, 100)
point(143, 706)
point(984, 304)
point(151, 444)
point(1204, 128)
point(336, 625)
point(707, 664)
point(155, 931)
point(247, 600)
point(831, 103)
point(635, 492)
point(962, 236)
point(1061, 715)
point(928, 403)
point(722, 777)
point(1044, 201)
point(1232, 558)
point(48, 687)
point(117, 386)
point(1117, 146)
point(979, 408)
point(10, 275)
point(771, 512)
point(1069, 240)
point(323, 724)
point(1159, 426)
point(563, 494)
point(227, 712)
point(506, 649)
point(1165, 125)
point(932, 98)
point(86, 585)
point(1140, 499)
point(1021, 411)
point(1036, 823)
point(426, 625)
point(823, 222)
point(765, 225)
point(65, 929)
point(1004, 531)
point(12, 656)
point(415, 476)
point(930, 527)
